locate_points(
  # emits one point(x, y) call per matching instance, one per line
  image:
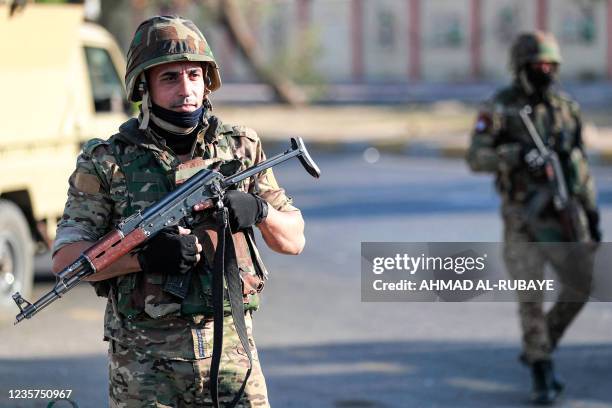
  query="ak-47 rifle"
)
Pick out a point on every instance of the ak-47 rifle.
point(566, 206)
point(206, 187)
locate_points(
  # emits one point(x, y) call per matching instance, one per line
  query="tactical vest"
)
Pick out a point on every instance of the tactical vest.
point(559, 128)
point(558, 124)
point(148, 174)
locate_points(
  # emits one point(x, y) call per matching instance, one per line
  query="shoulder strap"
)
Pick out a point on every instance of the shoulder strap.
point(114, 143)
point(226, 268)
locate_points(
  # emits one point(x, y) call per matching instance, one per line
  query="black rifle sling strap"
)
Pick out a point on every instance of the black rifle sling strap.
point(226, 265)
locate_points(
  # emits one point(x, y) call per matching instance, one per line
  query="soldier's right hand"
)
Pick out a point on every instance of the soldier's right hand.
point(173, 251)
point(534, 160)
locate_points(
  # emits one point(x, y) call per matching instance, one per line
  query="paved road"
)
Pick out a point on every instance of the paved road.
point(594, 94)
point(320, 345)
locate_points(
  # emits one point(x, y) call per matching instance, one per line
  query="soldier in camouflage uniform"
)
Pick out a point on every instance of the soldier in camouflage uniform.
point(501, 144)
point(160, 345)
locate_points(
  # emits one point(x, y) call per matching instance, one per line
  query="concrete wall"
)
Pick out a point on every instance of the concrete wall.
point(502, 21)
point(445, 40)
point(413, 40)
point(385, 40)
point(583, 37)
point(333, 31)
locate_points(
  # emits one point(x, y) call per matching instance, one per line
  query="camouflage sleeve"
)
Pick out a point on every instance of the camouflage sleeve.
point(583, 183)
point(266, 186)
point(88, 208)
point(485, 153)
point(270, 191)
point(577, 115)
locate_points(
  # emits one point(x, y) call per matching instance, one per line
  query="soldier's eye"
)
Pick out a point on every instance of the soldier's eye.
point(168, 77)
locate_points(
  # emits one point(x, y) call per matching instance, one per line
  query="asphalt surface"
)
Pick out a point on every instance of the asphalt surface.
point(588, 94)
point(320, 345)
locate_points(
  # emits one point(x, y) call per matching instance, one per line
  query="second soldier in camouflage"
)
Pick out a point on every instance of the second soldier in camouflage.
point(501, 144)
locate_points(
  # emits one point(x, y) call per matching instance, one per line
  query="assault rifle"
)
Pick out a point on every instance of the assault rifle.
point(565, 205)
point(206, 187)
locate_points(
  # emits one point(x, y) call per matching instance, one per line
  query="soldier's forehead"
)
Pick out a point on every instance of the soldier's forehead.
point(175, 67)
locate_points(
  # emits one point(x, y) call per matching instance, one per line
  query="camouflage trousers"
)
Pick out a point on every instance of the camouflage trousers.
point(573, 266)
point(140, 380)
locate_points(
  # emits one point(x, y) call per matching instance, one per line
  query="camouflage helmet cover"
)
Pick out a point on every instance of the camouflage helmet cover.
point(163, 39)
point(533, 47)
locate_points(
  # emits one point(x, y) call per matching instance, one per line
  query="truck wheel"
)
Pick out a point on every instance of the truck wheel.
point(16, 258)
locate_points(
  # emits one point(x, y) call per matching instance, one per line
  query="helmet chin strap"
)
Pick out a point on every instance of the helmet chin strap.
point(527, 86)
point(145, 108)
point(207, 83)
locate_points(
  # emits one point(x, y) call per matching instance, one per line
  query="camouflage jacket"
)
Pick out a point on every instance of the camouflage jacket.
point(500, 140)
point(99, 196)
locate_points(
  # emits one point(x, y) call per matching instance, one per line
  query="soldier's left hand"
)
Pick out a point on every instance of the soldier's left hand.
point(245, 209)
point(173, 250)
point(594, 229)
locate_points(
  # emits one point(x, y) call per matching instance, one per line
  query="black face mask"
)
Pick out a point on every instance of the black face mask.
point(180, 119)
point(539, 79)
point(180, 144)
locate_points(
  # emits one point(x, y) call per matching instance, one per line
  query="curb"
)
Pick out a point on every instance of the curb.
point(406, 148)
point(603, 157)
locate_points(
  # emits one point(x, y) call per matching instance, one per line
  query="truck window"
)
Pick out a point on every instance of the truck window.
point(106, 85)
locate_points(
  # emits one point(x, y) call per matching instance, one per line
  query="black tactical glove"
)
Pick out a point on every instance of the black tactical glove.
point(534, 159)
point(169, 252)
point(593, 217)
point(245, 210)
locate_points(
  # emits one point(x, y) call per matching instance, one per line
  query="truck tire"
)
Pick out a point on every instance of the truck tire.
point(16, 258)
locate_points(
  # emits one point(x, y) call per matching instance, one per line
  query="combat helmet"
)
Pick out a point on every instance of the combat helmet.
point(537, 46)
point(163, 39)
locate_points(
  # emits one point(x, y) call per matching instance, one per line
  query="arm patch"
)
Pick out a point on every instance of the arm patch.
point(484, 122)
point(87, 183)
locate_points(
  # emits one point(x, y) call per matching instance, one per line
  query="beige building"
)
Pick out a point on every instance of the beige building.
point(348, 41)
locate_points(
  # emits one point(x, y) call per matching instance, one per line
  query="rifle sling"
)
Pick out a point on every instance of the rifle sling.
point(226, 266)
point(260, 268)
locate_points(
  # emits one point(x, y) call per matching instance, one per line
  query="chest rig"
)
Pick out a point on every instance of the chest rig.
point(147, 173)
point(558, 125)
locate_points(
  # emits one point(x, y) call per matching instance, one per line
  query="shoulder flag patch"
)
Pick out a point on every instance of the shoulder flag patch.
point(483, 122)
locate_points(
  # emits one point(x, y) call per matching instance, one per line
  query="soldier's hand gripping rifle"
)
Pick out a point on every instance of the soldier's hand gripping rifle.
point(563, 202)
point(206, 186)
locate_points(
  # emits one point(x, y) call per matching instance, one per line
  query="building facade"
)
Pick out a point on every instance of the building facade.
point(398, 41)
